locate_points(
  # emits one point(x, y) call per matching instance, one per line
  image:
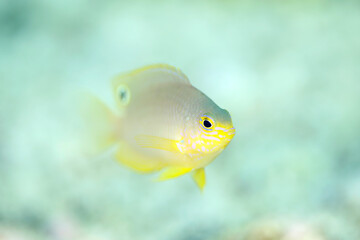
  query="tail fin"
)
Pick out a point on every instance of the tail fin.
point(98, 123)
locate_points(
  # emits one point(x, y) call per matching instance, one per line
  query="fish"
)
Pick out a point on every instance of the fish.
point(162, 123)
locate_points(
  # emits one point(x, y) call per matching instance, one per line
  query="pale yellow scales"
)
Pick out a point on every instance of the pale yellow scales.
point(164, 123)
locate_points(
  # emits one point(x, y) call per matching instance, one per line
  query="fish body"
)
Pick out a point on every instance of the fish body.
point(165, 123)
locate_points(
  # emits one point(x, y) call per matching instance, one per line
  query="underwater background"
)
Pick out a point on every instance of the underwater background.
point(287, 71)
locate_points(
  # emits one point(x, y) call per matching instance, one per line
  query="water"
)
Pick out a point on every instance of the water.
point(287, 72)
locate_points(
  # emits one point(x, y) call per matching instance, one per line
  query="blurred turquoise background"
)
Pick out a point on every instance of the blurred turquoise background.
point(287, 71)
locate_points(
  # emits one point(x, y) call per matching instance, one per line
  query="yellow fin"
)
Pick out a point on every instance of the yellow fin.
point(173, 172)
point(146, 141)
point(161, 68)
point(131, 158)
point(97, 123)
point(199, 178)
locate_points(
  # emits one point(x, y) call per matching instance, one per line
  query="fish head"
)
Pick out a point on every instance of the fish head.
point(212, 130)
point(216, 129)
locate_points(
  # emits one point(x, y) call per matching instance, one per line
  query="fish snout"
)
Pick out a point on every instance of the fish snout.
point(230, 131)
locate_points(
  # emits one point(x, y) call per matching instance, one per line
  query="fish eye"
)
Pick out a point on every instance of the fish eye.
point(207, 123)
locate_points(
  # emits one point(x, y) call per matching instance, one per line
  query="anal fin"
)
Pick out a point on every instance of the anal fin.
point(131, 158)
point(173, 172)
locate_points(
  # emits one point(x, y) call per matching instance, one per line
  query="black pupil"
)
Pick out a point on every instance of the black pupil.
point(207, 124)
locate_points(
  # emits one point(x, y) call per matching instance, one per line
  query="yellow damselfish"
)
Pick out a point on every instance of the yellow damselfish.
point(163, 123)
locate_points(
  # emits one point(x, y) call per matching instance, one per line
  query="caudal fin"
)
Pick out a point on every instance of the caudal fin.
point(98, 123)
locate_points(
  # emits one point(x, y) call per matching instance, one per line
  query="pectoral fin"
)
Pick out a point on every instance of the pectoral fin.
point(128, 156)
point(199, 178)
point(173, 172)
point(157, 142)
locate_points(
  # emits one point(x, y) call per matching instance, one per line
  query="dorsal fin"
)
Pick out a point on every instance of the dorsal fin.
point(171, 73)
point(153, 74)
